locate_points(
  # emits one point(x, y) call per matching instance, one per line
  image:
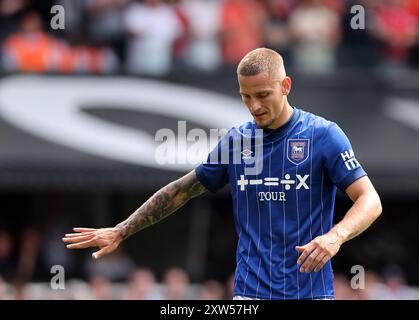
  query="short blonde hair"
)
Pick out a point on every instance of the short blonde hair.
point(262, 60)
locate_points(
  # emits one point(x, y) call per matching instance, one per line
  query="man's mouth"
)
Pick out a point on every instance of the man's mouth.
point(260, 115)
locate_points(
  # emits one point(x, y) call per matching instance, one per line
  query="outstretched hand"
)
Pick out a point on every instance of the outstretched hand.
point(107, 239)
point(317, 252)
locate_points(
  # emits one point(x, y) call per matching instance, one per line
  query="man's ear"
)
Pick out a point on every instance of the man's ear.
point(286, 85)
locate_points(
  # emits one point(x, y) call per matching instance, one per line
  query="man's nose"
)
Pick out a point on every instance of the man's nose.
point(254, 105)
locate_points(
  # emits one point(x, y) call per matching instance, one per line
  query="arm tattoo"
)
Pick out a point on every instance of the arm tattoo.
point(164, 202)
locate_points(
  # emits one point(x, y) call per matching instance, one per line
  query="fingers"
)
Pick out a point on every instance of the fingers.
point(316, 253)
point(80, 232)
point(71, 235)
point(102, 252)
point(311, 261)
point(84, 229)
point(299, 248)
point(83, 244)
point(107, 239)
point(79, 238)
point(105, 250)
point(81, 235)
point(315, 260)
point(306, 251)
point(322, 263)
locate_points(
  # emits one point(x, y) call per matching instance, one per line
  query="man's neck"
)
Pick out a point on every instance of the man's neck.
point(285, 116)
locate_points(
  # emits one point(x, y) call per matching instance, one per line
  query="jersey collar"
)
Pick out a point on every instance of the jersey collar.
point(274, 134)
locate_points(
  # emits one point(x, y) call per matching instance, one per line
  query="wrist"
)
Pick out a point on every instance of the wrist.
point(341, 233)
point(120, 230)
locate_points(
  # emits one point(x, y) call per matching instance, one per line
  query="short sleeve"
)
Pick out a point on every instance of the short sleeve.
point(341, 164)
point(213, 173)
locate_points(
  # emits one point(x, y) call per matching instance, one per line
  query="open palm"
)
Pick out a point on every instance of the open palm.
point(106, 239)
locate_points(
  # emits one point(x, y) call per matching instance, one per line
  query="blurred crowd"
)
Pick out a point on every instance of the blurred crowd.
point(26, 273)
point(176, 285)
point(157, 37)
point(141, 285)
point(118, 277)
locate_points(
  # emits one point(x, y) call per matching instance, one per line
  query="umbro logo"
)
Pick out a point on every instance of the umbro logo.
point(246, 154)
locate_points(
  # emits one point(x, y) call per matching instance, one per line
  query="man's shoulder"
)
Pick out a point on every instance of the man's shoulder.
point(328, 131)
point(319, 122)
point(249, 125)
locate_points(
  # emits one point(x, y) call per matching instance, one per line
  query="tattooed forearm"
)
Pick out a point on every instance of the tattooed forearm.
point(164, 202)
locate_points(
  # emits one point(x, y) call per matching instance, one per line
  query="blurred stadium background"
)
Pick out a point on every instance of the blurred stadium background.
point(79, 106)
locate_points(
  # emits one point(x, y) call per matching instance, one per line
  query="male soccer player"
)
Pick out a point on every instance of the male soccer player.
point(283, 200)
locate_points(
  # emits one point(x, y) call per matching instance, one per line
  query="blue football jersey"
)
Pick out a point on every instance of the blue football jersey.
point(283, 186)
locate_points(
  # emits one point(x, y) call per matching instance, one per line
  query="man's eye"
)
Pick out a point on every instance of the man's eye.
point(263, 95)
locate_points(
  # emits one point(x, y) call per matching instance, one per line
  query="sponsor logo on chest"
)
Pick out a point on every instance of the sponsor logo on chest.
point(298, 151)
point(288, 183)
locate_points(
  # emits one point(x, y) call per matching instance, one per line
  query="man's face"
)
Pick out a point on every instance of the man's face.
point(264, 97)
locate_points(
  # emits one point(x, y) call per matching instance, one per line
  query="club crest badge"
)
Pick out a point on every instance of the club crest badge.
point(298, 150)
